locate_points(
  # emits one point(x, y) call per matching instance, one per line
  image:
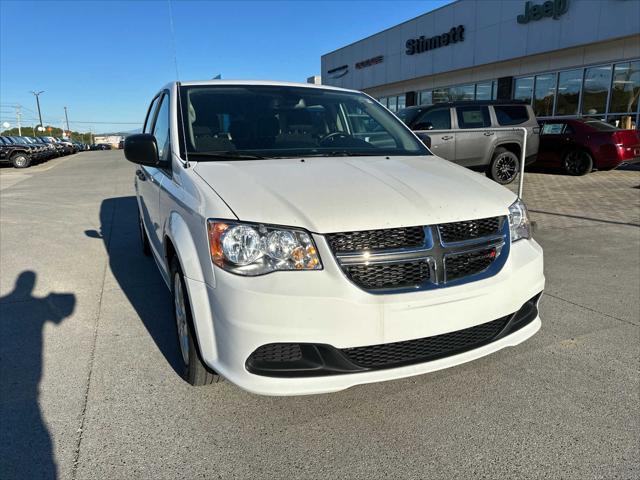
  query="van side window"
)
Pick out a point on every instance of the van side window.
point(161, 129)
point(149, 120)
point(511, 114)
point(440, 118)
point(473, 117)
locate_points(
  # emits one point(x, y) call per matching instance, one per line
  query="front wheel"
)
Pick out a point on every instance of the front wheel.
point(504, 166)
point(194, 370)
point(20, 160)
point(578, 163)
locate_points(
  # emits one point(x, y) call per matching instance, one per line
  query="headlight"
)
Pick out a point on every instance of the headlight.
point(519, 223)
point(253, 249)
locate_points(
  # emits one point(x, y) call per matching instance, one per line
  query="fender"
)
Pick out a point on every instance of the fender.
point(177, 231)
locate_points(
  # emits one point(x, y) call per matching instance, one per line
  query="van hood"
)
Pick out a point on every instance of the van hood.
point(326, 195)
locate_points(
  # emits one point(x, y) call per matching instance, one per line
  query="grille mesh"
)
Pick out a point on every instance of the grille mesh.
point(389, 275)
point(465, 264)
point(470, 229)
point(376, 239)
point(423, 349)
point(277, 352)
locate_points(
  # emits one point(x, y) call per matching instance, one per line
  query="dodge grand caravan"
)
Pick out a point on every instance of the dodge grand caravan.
point(311, 242)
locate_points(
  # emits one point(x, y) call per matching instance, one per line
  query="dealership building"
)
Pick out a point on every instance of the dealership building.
point(566, 57)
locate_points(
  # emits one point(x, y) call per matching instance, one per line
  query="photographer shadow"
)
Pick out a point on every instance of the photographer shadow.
point(26, 450)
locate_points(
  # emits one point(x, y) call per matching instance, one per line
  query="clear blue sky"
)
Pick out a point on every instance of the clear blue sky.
point(104, 60)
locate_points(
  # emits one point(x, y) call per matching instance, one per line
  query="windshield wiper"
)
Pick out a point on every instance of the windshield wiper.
point(227, 155)
point(341, 153)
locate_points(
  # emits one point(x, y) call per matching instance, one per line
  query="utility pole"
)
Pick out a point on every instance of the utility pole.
point(18, 118)
point(37, 94)
point(67, 119)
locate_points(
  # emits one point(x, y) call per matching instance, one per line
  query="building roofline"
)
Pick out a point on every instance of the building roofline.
point(392, 27)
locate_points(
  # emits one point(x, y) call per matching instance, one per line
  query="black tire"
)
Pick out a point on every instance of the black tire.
point(577, 163)
point(144, 240)
point(194, 371)
point(504, 167)
point(20, 160)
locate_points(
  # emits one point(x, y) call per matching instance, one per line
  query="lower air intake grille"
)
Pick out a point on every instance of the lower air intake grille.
point(396, 354)
point(388, 275)
point(278, 352)
point(470, 229)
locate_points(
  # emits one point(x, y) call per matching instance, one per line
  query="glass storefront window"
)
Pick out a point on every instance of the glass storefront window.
point(462, 92)
point(484, 91)
point(401, 102)
point(595, 90)
point(625, 122)
point(545, 92)
point(523, 89)
point(440, 95)
point(392, 104)
point(425, 97)
point(494, 90)
point(569, 83)
point(626, 87)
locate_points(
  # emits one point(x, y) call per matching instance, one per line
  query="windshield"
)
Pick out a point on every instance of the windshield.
point(281, 121)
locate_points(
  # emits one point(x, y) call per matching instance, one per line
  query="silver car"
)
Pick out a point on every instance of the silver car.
point(495, 149)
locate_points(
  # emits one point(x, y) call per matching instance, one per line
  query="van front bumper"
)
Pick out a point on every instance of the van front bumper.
point(323, 311)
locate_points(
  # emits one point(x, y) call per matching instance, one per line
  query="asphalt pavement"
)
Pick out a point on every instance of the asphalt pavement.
point(88, 387)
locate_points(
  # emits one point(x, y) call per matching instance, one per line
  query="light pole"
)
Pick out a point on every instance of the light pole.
point(37, 94)
point(67, 119)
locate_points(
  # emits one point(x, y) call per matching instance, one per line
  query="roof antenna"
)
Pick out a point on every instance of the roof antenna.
point(178, 92)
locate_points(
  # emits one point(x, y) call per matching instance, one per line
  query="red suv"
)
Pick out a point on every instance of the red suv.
point(580, 145)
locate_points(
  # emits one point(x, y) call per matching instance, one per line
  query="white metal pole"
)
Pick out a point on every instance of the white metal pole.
point(522, 161)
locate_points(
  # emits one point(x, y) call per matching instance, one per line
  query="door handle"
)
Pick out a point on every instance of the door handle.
point(447, 137)
point(488, 134)
point(140, 174)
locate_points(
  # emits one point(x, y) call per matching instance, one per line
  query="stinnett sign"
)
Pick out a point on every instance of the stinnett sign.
point(423, 44)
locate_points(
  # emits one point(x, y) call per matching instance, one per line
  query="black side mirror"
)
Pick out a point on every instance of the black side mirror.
point(426, 139)
point(423, 126)
point(141, 149)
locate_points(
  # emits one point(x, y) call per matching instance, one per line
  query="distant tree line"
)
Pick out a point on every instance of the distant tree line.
point(54, 132)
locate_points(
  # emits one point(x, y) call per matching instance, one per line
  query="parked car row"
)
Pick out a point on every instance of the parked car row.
point(24, 151)
point(475, 135)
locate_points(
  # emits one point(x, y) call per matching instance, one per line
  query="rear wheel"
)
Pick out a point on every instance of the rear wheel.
point(578, 163)
point(20, 160)
point(504, 166)
point(194, 370)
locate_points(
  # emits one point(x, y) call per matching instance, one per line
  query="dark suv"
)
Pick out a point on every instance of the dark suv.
point(17, 154)
point(491, 150)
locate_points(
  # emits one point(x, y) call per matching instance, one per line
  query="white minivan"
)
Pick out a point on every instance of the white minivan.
point(311, 242)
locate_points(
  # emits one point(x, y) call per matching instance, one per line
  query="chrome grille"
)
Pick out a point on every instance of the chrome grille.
point(462, 231)
point(425, 257)
point(376, 239)
point(463, 264)
point(389, 275)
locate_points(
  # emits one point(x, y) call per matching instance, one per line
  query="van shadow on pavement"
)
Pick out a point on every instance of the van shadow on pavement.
point(136, 274)
point(25, 444)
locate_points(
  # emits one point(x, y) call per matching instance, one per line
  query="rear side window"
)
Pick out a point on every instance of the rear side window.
point(511, 114)
point(439, 118)
point(473, 117)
